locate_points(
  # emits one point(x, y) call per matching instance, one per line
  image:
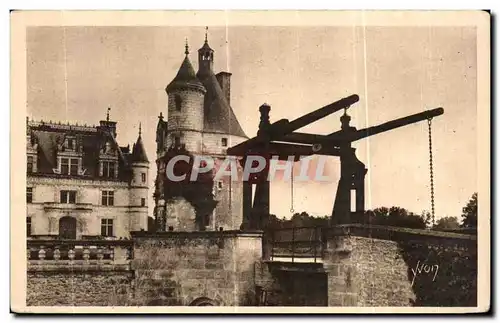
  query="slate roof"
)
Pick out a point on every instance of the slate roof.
point(49, 136)
point(186, 76)
point(139, 152)
point(219, 116)
point(205, 47)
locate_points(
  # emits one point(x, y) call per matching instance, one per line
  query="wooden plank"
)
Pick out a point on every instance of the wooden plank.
point(283, 127)
point(387, 126)
point(315, 115)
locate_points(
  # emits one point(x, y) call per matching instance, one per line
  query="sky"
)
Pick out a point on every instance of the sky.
point(75, 73)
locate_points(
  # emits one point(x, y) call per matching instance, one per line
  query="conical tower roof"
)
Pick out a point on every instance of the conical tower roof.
point(138, 151)
point(186, 76)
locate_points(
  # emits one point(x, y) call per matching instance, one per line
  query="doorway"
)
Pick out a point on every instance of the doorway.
point(67, 228)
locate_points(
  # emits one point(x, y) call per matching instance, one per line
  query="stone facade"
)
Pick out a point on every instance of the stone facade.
point(82, 184)
point(46, 210)
point(359, 266)
point(177, 268)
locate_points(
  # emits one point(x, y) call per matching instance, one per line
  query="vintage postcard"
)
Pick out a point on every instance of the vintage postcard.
point(250, 161)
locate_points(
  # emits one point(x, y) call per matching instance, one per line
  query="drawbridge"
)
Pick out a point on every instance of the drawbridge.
point(281, 140)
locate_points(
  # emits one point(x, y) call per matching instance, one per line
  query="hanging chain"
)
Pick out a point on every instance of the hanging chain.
point(431, 169)
point(291, 193)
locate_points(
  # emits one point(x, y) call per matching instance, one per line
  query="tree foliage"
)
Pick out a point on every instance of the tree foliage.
point(394, 216)
point(447, 223)
point(427, 217)
point(469, 213)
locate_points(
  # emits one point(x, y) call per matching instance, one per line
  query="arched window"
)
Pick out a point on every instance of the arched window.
point(178, 102)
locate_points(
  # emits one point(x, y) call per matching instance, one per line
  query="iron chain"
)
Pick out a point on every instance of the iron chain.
point(431, 169)
point(291, 192)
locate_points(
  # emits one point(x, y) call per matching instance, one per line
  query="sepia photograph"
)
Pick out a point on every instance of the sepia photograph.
point(250, 161)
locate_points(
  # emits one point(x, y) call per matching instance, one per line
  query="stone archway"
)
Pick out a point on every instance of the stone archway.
point(204, 301)
point(67, 227)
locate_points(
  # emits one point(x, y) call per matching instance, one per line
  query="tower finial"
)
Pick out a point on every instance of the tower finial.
point(107, 113)
point(140, 130)
point(187, 48)
point(206, 34)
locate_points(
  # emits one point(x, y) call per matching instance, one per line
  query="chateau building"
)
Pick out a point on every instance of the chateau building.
point(81, 184)
point(200, 121)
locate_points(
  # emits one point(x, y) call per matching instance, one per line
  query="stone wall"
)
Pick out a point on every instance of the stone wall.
point(361, 266)
point(177, 268)
point(191, 139)
point(212, 143)
point(380, 266)
point(180, 215)
point(228, 213)
point(190, 115)
point(78, 287)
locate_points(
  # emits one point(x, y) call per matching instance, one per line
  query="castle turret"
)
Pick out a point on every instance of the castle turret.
point(185, 108)
point(139, 187)
point(205, 59)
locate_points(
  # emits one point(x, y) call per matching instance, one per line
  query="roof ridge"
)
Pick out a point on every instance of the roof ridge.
point(60, 125)
point(115, 142)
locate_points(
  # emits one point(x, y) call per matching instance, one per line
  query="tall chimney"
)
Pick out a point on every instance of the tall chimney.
point(106, 125)
point(224, 79)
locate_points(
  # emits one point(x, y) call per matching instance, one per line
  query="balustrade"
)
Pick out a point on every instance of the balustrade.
point(111, 251)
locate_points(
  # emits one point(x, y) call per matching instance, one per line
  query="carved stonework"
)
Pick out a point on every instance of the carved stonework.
point(108, 150)
point(31, 143)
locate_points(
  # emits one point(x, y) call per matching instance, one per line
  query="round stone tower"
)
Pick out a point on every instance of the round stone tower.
point(200, 122)
point(185, 108)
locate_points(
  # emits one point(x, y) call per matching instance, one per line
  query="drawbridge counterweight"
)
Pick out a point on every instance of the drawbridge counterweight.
point(281, 139)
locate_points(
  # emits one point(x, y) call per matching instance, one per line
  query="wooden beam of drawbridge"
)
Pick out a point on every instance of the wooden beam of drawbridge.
point(283, 127)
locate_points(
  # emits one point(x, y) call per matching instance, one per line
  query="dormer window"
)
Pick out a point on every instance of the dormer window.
point(108, 160)
point(107, 147)
point(69, 166)
point(70, 144)
point(31, 154)
point(178, 102)
point(224, 142)
point(108, 169)
point(69, 157)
